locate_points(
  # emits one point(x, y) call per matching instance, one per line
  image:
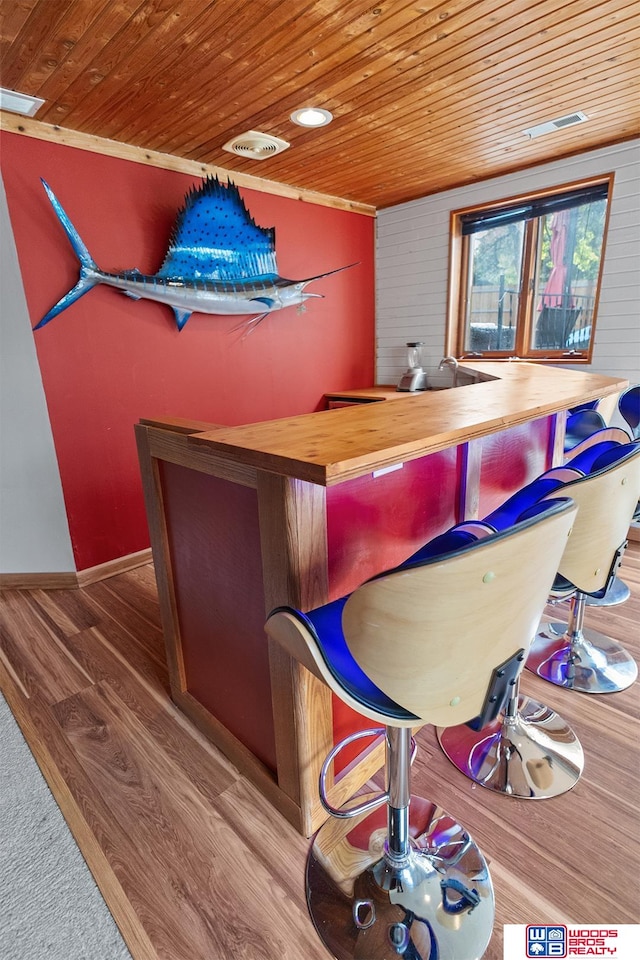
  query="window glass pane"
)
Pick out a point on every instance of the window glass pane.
point(568, 265)
point(493, 288)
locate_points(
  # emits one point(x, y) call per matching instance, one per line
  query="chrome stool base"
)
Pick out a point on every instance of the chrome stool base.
point(435, 902)
point(617, 593)
point(589, 662)
point(532, 755)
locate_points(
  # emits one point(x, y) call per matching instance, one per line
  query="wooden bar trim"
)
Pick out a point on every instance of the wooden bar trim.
point(179, 424)
point(172, 446)
point(331, 446)
point(470, 461)
point(153, 499)
point(556, 440)
point(294, 558)
point(27, 127)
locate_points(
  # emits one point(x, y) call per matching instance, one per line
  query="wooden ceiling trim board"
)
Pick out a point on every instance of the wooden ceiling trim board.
point(83, 141)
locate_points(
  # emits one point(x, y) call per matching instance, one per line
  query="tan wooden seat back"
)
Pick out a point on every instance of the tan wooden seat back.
point(430, 636)
point(606, 505)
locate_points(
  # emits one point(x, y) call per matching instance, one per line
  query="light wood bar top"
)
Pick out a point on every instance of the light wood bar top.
point(331, 446)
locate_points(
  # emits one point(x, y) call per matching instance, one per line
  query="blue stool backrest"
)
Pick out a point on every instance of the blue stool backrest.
point(615, 434)
point(629, 407)
point(581, 425)
point(589, 405)
point(509, 511)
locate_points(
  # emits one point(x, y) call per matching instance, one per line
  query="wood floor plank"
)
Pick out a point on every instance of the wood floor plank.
point(67, 782)
point(145, 691)
point(36, 653)
point(194, 860)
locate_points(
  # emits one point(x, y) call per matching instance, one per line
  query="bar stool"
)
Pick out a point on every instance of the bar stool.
point(423, 643)
point(617, 591)
point(567, 654)
point(527, 751)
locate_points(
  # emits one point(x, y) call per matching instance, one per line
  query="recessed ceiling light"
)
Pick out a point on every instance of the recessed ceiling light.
point(19, 102)
point(311, 117)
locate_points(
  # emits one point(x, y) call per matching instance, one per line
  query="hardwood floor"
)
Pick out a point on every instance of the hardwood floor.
point(191, 860)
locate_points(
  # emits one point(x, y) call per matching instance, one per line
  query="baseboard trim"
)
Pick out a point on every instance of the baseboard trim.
point(73, 580)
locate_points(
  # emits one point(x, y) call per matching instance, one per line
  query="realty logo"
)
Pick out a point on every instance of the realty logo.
point(547, 941)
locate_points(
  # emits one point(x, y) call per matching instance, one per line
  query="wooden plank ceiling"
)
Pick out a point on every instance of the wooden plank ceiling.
point(425, 95)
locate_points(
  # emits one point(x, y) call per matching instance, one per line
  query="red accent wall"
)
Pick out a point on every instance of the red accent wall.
point(107, 360)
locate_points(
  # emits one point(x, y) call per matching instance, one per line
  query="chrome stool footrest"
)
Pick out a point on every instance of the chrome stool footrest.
point(347, 812)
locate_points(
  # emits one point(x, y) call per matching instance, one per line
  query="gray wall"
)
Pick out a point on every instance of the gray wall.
point(413, 260)
point(34, 534)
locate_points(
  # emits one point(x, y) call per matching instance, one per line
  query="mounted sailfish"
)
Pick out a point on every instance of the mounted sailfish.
point(219, 261)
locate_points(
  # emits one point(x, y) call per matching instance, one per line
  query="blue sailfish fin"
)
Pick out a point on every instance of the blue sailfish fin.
point(268, 301)
point(214, 237)
point(89, 271)
point(181, 316)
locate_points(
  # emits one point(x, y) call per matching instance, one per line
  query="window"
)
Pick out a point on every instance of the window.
point(525, 275)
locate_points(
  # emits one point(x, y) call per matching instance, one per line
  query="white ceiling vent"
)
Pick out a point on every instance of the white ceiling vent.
point(256, 146)
point(558, 124)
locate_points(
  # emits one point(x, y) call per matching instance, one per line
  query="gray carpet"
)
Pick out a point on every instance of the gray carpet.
point(50, 906)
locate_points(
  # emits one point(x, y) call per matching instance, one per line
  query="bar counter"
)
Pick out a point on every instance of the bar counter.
point(327, 450)
point(302, 510)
